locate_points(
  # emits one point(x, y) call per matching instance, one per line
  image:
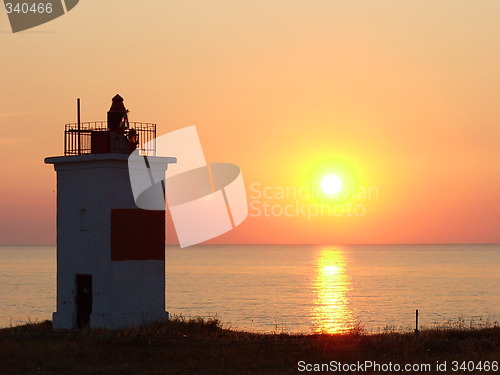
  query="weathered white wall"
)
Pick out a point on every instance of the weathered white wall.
point(124, 292)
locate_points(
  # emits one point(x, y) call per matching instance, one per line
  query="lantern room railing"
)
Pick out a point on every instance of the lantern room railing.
point(78, 137)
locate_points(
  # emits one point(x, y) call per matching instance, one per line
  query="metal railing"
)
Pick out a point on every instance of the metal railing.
point(77, 138)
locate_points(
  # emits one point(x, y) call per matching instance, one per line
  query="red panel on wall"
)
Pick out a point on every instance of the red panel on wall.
point(137, 234)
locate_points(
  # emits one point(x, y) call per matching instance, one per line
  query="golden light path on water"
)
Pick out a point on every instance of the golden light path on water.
point(330, 312)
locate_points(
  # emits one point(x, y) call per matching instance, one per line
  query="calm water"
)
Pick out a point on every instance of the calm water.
point(296, 288)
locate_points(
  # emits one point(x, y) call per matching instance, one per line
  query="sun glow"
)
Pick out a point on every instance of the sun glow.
point(331, 184)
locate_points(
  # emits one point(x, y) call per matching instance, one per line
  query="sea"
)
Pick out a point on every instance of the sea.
point(293, 288)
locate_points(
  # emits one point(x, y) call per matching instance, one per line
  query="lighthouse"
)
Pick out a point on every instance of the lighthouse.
point(110, 253)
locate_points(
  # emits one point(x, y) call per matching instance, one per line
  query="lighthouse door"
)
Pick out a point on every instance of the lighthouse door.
point(83, 300)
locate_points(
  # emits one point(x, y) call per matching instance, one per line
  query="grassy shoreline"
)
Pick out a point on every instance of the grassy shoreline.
point(198, 346)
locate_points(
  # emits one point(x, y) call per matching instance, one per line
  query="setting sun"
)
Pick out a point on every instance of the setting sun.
point(331, 184)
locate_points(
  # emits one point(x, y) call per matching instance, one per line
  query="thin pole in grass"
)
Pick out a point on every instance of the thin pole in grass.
point(416, 323)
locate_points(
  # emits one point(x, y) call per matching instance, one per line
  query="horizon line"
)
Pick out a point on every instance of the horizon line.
point(307, 244)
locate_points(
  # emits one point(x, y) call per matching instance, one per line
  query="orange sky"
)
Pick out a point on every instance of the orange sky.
point(397, 95)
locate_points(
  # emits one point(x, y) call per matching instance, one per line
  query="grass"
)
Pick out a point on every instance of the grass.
point(203, 346)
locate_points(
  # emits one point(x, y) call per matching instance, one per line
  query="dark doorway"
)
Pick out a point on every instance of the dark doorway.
point(83, 300)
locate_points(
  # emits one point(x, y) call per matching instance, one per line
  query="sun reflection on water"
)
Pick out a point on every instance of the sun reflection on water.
point(331, 313)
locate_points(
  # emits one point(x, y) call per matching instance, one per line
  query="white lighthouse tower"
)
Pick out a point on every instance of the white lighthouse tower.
point(110, 253)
